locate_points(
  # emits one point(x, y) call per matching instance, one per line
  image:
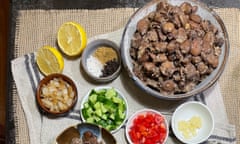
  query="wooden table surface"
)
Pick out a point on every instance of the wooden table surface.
point(4, 16)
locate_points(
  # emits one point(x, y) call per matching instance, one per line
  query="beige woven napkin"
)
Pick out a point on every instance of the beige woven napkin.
point(43, 129)
point(36, 28)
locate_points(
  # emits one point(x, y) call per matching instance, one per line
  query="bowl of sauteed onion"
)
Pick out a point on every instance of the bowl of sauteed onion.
point(56, 95)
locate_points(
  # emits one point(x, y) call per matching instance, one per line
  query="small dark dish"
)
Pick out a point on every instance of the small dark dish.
point(62, 85)
point(78, 133)
point(89, 52)
point(165, 83)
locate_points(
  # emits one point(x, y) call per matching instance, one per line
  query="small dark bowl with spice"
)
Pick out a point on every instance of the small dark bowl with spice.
point(101, 60)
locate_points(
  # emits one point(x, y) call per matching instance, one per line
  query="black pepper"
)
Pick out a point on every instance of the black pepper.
point(110, 67)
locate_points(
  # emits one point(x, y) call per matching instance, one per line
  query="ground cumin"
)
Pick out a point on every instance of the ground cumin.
point(105, 54)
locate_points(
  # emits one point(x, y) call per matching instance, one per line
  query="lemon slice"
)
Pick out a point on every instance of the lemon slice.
point(49, 60)
point(72, 38)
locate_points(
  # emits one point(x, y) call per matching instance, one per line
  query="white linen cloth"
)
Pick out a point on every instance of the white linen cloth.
point(43, 130)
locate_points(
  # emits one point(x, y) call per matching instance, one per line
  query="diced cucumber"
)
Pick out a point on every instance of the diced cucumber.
point(121, 107)
point(101, 98)
point(93, 98)
point(98, 112)
point(90, 120)
point(121, 114)
point(100, 91)
point(105, 116)
point(104, 107)
point(110, 93)
point(117, 100)
point(112, 116)
point(89, 111)
point(97, 118)
point(86, 105)
point(97, 105)
point(85, 113)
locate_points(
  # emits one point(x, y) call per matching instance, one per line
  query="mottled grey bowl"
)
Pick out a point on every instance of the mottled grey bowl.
point(77, 131)
point(91, 47)
point(205, 13)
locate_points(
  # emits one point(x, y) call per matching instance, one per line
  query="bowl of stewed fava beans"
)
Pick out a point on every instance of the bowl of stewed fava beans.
point(174, 49)
point(56, 95)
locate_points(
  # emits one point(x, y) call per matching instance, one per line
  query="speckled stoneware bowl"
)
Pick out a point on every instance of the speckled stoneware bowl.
point(89, 50)
point(205, 13)
point(78, 130)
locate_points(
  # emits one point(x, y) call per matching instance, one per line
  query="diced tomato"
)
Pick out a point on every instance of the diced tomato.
point(148, 129)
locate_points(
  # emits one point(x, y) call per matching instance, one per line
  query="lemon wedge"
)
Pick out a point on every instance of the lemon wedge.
point(49, 60)
point(71, 38)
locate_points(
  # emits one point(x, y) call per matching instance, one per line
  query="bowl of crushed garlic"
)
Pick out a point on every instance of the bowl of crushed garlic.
point(56, 95)
point(192, 122)
point(101, 60)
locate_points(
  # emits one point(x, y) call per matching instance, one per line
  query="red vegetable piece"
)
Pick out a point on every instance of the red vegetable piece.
point(148, 129)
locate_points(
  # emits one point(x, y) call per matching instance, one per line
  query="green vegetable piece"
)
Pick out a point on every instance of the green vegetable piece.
point(93, 98)
point(89, 111)
point(118, 123)
point(97, 105)
point(117, 100)
point(98, 112)
point(101, 98)
point(109, 127)
point(110, 93)
point(112, 116)
point(85, 113)
point(111, 106)
point(103, 108)
point(96, 118)
point(90, 120)
point(121, 114)
point(105, 116)
point(103, 123)
point(101, 91)
point(122, 107)
point(86, 105)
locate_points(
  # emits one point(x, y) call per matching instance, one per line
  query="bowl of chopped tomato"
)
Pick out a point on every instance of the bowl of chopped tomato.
point(147, 126)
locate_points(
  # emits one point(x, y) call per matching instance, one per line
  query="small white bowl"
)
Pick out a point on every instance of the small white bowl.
point(185, 112)
point(85, 99)
point(143, 112)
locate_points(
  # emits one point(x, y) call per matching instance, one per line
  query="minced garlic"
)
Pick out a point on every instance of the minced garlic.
point(189, 128)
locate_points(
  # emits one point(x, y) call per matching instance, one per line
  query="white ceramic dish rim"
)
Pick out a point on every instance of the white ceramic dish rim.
point(182, 106)
point(85, 98)
point(208, 14)
point(134, 115)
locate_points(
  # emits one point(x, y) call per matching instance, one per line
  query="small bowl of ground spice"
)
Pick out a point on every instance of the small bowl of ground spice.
point(101, 60)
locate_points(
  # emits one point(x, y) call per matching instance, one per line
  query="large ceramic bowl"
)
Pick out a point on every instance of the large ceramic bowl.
point(207, 14)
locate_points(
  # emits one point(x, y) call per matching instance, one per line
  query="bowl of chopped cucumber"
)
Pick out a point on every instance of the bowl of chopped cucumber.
point(106, 107)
